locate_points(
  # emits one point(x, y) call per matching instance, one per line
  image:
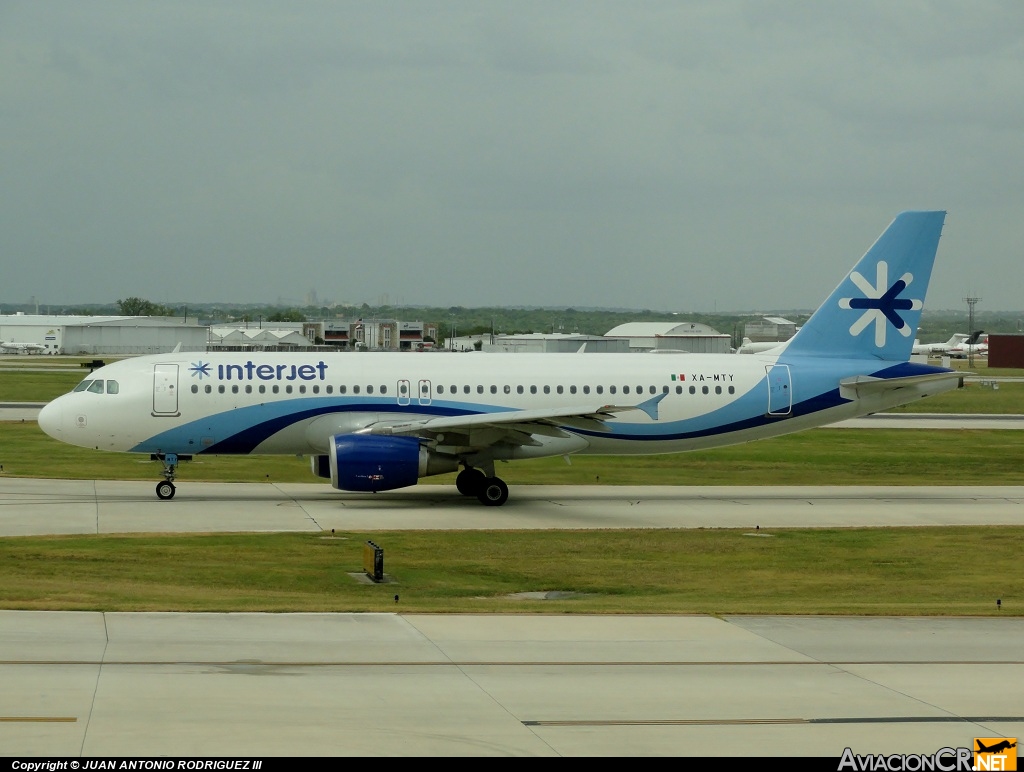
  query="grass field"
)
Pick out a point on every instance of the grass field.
point(905, 571)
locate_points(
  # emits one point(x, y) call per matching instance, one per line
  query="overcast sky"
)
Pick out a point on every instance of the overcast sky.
point(676, 156)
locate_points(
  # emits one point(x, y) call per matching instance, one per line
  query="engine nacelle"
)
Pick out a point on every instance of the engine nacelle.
point(364, 462)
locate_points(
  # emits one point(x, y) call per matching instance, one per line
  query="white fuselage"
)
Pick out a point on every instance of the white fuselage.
point(292, 403)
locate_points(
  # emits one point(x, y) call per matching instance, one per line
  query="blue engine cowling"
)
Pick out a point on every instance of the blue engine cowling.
point(363, 462)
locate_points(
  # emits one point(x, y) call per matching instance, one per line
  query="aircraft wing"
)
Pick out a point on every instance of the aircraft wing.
point(862, 385)
point(512, 426)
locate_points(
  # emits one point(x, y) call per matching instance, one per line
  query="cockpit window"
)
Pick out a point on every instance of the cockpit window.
point(112, 387)
point(82, 386)
point(96, 387)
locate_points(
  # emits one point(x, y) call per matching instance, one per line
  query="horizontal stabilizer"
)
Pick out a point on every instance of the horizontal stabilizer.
point(863, 385)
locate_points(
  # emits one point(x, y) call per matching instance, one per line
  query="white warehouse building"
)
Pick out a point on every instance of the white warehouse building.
point(111, 335)
point(692, 337)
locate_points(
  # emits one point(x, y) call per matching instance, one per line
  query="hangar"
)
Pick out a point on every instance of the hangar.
point(693, 337)
point(112, 335)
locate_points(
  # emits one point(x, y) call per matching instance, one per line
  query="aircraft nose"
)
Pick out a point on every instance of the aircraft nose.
point(51, 419)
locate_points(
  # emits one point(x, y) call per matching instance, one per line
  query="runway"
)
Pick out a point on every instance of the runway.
point(245, 685)
point(37, 507)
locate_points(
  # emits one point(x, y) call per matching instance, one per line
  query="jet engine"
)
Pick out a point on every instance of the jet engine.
point(364, 462)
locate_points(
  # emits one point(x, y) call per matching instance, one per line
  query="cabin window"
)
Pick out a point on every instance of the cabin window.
point(263, 389)
point(533, 389)
point(465, 389)
point(559, 389)
point(355, 389)
point(703, 389)
point(369, 389)
point(599, 389)
point(653, 390)
point(234, 389)
point(275, 388)
point(494, 389)
point(572, 389)
point(330, 389)
point(96, 387)
point(679, 389)
point(519, 389)
point(83, 386)
point(221, 388)
point(302, 388)
point(209, 389)
point(508, 389)
point(195, 389)
point(732, 389)
point(440, 389)
point(693, 389)
point(288, 389)
point(718, 389)
point(547, 389)
point(664, 389)
point(316, 389)
point(611, 389)
point(625, 389)
point(479, 389)
point(586, 389)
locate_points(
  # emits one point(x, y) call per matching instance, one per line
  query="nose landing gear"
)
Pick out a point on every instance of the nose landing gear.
point(165, 489)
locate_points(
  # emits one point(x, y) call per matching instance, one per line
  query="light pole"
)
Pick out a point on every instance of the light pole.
point(971, 302)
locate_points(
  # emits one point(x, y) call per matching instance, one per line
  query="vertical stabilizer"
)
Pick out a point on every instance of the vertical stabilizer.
point(875, 310)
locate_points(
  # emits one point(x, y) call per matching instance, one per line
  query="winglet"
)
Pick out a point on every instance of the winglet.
point(650, 406)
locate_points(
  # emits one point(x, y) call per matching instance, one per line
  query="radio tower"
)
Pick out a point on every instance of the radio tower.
point(971, 302)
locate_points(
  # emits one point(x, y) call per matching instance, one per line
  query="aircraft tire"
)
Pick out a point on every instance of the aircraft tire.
point(165, 490)
point(493, 493)
point(469, 481)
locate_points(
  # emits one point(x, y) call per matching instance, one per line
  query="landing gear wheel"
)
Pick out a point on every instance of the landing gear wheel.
point(469, 481)
point(493, 493)
point(165, 490)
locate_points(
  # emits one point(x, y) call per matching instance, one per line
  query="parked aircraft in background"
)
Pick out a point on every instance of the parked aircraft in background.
point(939, 349)
point(976, 345)
point(376, 422)
point(14, 347)
point(750, 347)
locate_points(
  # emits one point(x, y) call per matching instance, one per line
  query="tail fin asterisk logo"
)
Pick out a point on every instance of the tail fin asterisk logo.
point(881, 303)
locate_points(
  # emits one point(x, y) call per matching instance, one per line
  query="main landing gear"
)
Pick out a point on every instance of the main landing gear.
point(165, 489)
point(490, 491)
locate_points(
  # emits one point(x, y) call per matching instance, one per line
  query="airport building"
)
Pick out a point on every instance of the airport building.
point(554, 343)
point(258, 339)
point(1006, 350)
point(691, 337)
point(112, 335)
point(770, 328)
point(375, 334)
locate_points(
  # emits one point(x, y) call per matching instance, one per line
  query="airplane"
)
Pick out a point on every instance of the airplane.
point(938, 349)
point(15, 347)
point(1002, 745)
point(381, 421)
point(976, 344)
point(750, 347)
